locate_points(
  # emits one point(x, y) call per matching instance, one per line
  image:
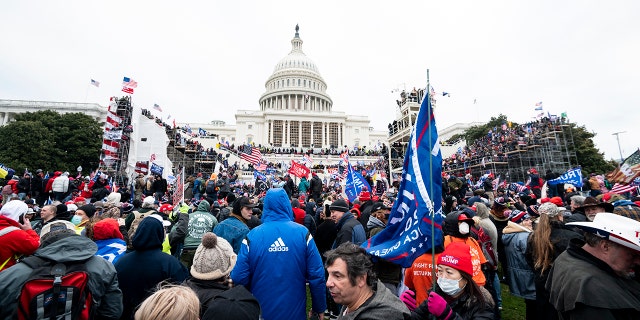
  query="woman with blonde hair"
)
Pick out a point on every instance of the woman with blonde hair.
point(170, 303)
point(549, 239)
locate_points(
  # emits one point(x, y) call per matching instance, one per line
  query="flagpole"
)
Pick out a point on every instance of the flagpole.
point(433, 238)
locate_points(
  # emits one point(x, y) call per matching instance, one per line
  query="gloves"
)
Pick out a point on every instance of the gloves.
point(438, 306)
point(409, 299)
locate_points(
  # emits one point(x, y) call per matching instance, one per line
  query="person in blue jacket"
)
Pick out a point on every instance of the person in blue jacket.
point(276, 261)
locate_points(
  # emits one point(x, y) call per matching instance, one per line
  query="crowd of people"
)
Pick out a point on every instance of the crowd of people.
point(229, 251)
point(496, 145)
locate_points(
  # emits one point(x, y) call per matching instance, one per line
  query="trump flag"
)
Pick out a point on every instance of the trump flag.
point(419, 205)
point(354, 184)
point(573, 176)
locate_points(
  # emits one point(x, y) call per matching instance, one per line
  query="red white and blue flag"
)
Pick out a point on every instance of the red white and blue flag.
point(251, 154)
point(622, 189)
point(418, 207)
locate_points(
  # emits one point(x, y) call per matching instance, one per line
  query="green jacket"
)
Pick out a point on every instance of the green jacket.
point(200, 222)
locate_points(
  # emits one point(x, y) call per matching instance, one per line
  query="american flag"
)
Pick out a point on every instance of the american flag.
point(129, 83)
point(127, 90)
point(157, 107)
point(95, 83)
point(251, 154)
point(621, 189)
point(153, 157)
point(113, 120)
point(260, 166)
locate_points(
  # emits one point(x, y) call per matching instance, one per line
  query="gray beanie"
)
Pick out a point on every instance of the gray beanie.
point(213, 259)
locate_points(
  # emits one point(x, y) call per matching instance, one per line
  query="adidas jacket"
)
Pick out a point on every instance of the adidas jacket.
point(277, 258)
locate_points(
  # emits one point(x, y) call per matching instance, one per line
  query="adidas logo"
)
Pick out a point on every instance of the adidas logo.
point(278, 245)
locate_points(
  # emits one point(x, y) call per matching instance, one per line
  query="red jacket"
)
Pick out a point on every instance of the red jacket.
point(86, 193)
point(18, 242)
point(14, 186)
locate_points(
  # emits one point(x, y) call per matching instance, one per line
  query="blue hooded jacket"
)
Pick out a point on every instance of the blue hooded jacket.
point(276, 260)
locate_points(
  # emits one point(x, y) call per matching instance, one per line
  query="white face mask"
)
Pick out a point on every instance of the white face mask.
point(463, 227)
point(449, 286)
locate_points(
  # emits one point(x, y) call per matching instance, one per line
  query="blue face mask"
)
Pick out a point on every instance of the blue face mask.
point(76, 220)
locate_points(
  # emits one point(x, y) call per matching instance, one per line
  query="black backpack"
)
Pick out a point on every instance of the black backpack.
point(211, 187)
point(49, 279)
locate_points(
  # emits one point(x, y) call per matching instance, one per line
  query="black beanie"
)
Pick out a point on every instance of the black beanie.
point(89, 209)
point(339, 205)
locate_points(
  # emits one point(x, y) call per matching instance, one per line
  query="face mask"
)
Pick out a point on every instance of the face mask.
point(449, 286)
point(76, 220)
point(463, 228)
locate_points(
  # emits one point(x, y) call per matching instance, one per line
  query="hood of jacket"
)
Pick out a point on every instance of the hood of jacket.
point(277, 206)
point(450, 226)
point(310, 208)
point(71, 248)
point(204, 205)
point(149, 235)
point(374, 223)
point(513, 227)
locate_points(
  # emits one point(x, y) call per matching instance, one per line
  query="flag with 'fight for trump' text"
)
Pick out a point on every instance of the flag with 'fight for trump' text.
point(418, 208)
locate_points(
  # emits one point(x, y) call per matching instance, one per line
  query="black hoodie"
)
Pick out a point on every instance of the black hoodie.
point(141, 270)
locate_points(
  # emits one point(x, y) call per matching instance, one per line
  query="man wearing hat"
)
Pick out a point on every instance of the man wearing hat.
point(349, 228)
point(59, 243)
point(592, 278)
point(234, 228)
point(213, 261)
point(592, 207)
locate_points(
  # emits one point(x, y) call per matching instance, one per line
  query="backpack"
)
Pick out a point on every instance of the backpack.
point(484, 240)
point(211, 187)
point(68, 282)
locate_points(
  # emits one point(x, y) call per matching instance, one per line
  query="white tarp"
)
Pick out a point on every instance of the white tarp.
point(156, 143)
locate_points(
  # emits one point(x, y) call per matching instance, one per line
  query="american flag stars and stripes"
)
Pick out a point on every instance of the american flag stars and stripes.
point(251, 154)
point(95, 83)
point(621, 189)
point(129, 83)
point(157, 107)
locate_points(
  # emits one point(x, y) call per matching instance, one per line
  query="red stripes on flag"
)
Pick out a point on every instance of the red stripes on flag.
point(142, 167)
point(110, 145)
point(620, 188)
point(127, 90)
point(253, 157)
point(112, 121)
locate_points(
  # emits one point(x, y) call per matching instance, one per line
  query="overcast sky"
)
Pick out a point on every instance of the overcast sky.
point(202, 60)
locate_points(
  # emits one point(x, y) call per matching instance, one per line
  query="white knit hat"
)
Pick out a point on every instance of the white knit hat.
point(213, 259)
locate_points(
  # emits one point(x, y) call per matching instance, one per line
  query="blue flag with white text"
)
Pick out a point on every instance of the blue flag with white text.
point(573, 176)
point(259, 175)
point(354, 184)
point(419, 204)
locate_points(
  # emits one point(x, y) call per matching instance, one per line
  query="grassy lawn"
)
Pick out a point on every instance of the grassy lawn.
point(512, 307)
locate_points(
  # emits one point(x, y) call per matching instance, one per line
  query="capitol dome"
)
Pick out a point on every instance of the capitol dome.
point(296, 84)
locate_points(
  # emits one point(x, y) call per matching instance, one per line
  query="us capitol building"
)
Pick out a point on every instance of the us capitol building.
point(296, 111)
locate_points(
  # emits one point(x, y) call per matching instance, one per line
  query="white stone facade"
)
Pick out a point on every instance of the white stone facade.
point(296, 111)
point(9, 108)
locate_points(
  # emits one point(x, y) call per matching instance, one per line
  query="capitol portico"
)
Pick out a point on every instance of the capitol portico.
point(296, 111)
